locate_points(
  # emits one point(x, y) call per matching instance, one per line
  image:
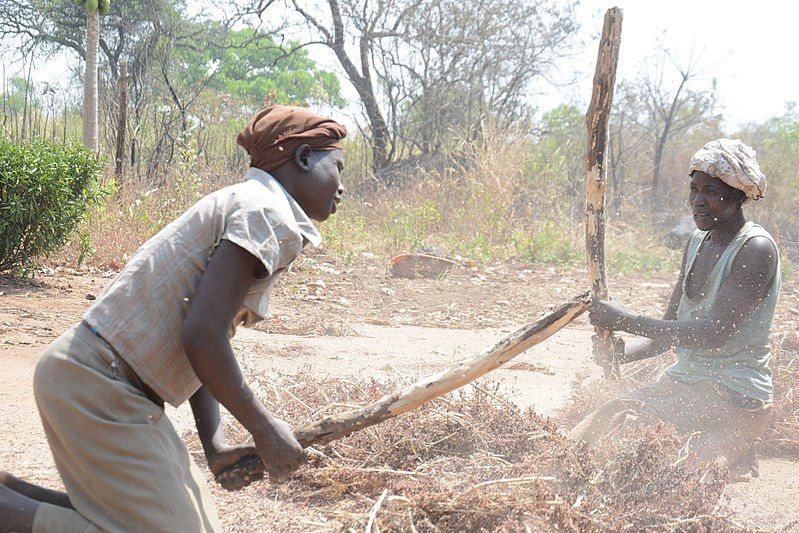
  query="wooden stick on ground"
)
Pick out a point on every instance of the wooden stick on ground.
point(597, 121)
point(340, 425)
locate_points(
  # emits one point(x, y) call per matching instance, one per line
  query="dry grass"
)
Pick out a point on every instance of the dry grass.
point(134, 213)
point(483, 202)
point(782, 436)
point(470, 462)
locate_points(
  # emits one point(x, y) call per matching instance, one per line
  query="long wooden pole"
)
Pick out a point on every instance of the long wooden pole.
point(342, 424)
point(598, 121)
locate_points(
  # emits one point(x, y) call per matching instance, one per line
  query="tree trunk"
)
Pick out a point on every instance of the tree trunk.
point(661, 146)
point(618, 168)
point(122, 90)
point(659, 152)
point(90, 80)
point(597, 122)
point(362, 81)
point(343, 424)
point(379, 132)
point(363, 86)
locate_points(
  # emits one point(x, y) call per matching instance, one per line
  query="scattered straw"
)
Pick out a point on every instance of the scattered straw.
point(373, 513)
point(471, 463)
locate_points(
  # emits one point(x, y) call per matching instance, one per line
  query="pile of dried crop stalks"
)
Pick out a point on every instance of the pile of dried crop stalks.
point(781, 438)
point(469, 461)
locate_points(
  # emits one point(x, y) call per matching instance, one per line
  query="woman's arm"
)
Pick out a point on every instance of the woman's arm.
point(229, 275)
point(644, 348)
point(639, 349)
point(751, 276)
point(218, 453)
point(209, 422)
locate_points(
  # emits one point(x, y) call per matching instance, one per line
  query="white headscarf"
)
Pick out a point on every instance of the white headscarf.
point(734, 163)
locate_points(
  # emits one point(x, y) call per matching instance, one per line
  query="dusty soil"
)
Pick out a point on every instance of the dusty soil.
point(344, 318)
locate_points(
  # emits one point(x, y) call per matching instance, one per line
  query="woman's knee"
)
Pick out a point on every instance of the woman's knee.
point(45, 377)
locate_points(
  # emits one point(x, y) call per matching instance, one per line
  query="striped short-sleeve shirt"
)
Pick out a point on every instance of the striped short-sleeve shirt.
point(141, 313)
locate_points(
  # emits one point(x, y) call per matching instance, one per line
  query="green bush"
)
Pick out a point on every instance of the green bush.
point(45, 191)
point(548, 242)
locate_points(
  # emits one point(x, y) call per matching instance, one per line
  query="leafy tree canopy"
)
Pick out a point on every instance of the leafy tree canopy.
point(252, 69)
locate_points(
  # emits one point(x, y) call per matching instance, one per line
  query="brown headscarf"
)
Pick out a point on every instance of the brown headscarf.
point(273, 135)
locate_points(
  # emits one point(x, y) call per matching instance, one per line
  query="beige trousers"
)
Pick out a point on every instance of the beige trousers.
point(713, 426)
point(124, 466)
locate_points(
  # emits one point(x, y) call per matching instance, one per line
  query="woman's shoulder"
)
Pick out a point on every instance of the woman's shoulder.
point(251, 196)
point(752, 229)
point(758, 251)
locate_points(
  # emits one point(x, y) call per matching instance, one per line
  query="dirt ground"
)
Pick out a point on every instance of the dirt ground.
point(350, 318)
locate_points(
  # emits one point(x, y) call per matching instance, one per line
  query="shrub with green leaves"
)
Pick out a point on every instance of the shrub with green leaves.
point(45, 191)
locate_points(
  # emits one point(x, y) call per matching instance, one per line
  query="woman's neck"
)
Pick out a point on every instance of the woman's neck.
point(726, 232)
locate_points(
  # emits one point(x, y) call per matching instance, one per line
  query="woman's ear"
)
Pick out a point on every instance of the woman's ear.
point(302, 155)
point(742, 197)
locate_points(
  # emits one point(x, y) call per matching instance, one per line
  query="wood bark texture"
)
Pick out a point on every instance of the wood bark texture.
point(598, 122)
point(342, 424)
point(90, 80)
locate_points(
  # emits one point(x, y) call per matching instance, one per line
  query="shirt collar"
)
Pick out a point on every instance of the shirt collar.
point(306, 227)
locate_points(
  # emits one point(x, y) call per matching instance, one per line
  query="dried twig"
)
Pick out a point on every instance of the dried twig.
point(373, 512)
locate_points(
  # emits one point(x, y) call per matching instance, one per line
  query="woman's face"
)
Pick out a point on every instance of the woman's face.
point(713, 202)
point(319, 190)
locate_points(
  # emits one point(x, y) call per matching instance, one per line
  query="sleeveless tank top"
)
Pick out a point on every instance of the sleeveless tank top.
point(742, 362)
